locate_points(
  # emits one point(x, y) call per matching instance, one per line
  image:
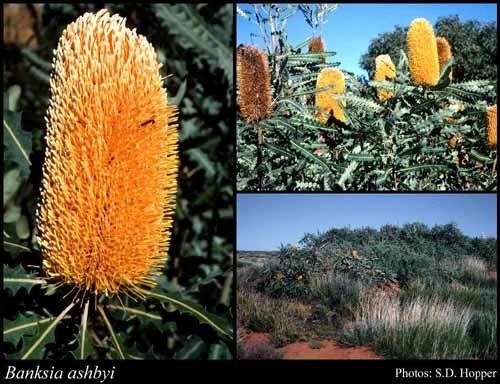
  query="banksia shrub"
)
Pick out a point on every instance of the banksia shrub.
point(422, 53)
point(444, 53)
point(491, 125)
point(254, 84)
point(109, 178)
point(325, 100)
point(384, 70)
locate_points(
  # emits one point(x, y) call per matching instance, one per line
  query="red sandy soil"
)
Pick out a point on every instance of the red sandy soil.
point(329, 351)
point(302, 351)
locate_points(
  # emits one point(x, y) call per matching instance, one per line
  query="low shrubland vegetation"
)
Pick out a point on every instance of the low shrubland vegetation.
point(410, 292)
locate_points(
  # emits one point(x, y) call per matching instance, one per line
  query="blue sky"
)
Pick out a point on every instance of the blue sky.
point(350, 28)
point(264, 221)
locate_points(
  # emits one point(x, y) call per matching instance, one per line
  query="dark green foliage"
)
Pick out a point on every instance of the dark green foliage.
point(474, 47)
point(199, 269)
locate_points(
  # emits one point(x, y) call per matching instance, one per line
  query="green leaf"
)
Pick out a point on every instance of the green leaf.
point(34, 332)
point(193, 349)
point(310, 156)
point(279, 150)
point(198, 156)
point(12, 214)
point(176, 100)
point(184, 21)
point(11, 183)
point(185, 306)
point(425, 166)
point(361, 157)
point(479, 156)
point(22, 228)
point(17, 142)
point(16, 278)
point(219, 352)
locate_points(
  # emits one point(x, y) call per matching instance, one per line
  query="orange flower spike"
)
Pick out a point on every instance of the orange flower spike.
point(384, 70)
point(326, 102)
point(317, 45)
point(109, 178)
point(444, 53)
point(491, 125)
point(254, 84)
point(422, 53)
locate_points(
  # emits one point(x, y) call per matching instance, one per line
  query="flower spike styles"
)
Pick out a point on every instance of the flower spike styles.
point(109, 177)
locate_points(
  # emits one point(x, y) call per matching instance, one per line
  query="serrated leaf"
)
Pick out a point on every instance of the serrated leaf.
point(184, 21)
point(310, 156)
point(15, 278)
point(17, 142)
point(34, 332)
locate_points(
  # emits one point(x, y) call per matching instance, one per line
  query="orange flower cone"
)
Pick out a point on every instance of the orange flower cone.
point(317, 45)
point(444, 53)
point(384, 70)
point(422, 53)
point(254, 84)
point(491, 125)
point(109, 178)
point(325, 100)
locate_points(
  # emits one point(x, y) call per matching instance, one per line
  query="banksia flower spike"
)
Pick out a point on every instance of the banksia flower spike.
point(384, 70)
point(444, 53)
point(254, 84)
point(491, 125)
point(325, 100)
point(317, 45)
point(422, 53)
point(109, 178)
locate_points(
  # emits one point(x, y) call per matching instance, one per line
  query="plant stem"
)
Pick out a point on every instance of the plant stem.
point(84, 329)
point(111, 331)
